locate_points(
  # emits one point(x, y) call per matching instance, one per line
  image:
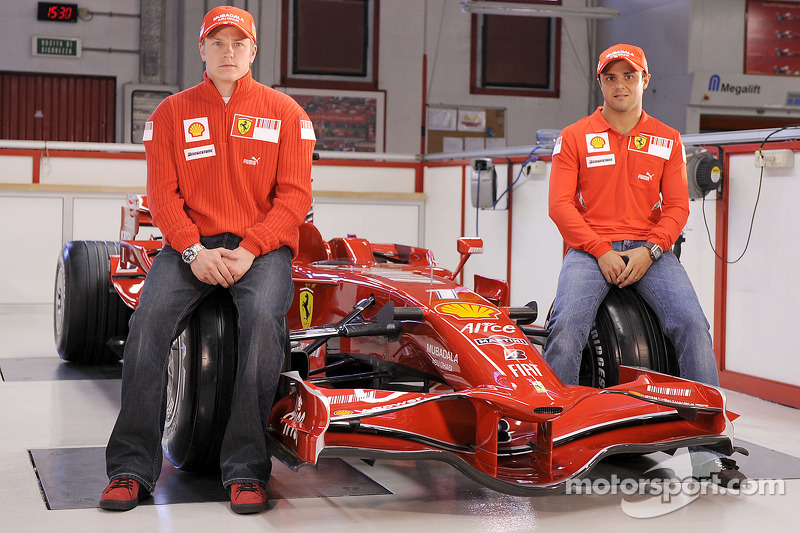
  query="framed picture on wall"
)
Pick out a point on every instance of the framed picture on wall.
point(772, 38)
point(344, 121)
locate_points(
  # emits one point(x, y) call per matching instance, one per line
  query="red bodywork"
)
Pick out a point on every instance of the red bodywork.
point(495, 409)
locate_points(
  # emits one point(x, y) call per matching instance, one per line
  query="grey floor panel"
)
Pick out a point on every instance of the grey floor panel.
point(73, 478)
point(55, 369)
point(762, 463)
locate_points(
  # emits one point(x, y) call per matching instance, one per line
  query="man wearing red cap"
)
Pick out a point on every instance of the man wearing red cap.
point(620, 198)
point(228, 183)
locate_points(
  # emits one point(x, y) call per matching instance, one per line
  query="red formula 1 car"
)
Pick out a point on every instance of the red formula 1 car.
point(390, 358)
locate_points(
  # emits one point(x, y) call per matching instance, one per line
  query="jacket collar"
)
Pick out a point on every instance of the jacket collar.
point(599, 123)
point(243, 85)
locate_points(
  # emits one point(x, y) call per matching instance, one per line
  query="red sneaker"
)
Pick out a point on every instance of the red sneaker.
point(248, 498)
point(122, 495)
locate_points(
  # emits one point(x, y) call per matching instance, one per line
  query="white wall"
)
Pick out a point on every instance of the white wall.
point(763, 287)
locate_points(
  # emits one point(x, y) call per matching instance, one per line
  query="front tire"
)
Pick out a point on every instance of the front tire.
point(201, 377)
point(627, 332)
point(87, 310)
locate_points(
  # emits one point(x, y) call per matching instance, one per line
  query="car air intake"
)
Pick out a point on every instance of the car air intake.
point(548, 410)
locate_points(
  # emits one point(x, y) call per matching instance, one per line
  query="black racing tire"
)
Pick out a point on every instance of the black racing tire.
point(201, 377)
point(87, 310)
point(627, 332)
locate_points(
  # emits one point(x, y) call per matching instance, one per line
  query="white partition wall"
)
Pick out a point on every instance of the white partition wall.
point(30, 242)
point(763, 291)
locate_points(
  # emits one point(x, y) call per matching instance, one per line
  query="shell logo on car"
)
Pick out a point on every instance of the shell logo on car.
point(467, 310)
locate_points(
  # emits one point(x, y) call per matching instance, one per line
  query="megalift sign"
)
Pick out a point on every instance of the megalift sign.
point(715, 83)
point(712, 89)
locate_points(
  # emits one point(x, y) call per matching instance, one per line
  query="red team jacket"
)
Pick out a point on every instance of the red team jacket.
point(607, 187)
point(243, 168)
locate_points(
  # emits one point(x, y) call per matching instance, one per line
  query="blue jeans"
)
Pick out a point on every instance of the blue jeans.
point(665, 287)
point(170, 294)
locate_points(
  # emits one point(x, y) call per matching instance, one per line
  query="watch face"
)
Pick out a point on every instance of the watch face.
point(189, 254)
point(655, 251)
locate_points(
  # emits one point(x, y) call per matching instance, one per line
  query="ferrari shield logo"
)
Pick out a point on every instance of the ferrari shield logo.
point(256, 128)
point(244, 125)
point(640, 142)
point(306, 306)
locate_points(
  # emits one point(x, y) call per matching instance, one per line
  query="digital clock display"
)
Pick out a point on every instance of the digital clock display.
point(58, 12)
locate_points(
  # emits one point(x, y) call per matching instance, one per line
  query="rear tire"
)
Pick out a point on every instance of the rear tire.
point(627, 332)
point(87, 311)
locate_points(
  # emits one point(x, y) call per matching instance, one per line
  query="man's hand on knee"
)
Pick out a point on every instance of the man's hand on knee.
point(639, 262)
point(611, 265)
point(209, 267)
point(238, 261)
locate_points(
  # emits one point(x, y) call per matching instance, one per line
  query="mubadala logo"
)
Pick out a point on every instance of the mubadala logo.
point(715, 84)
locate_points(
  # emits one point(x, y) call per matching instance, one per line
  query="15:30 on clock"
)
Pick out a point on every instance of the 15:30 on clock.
point(57, 12)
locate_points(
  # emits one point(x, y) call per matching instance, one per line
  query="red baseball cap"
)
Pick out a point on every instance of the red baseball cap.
point(230, 16)
point(627, 52)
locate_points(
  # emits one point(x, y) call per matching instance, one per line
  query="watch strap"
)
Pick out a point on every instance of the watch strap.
point(655, 250)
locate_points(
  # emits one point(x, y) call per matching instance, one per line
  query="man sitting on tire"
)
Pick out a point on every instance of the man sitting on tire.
point(229, 183)
point(619, 196)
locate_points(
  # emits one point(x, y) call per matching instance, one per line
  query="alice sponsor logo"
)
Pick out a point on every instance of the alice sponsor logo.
point(488, 327)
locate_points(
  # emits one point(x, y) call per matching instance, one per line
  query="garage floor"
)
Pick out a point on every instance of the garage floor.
point(60, 418)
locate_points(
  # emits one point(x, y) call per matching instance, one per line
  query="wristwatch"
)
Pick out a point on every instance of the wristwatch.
point(190, 254)
point(655, 251)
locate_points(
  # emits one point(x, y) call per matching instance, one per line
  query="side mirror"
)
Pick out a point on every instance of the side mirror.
point(467, 246)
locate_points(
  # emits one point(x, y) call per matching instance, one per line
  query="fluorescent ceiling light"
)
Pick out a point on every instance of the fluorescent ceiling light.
point(536, 10)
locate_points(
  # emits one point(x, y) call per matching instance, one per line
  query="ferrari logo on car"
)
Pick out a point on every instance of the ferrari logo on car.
point(306, 307)
point(467, 310)
point(244, 125)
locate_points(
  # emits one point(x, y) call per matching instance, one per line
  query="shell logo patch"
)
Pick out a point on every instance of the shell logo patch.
point(196, 129)
point(597, 142)
point(467, 310)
